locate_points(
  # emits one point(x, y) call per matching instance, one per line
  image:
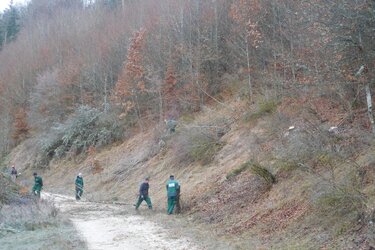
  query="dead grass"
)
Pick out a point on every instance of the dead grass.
point(196, 145)
point(31, 224)
point(265, 107)
point(28, 214)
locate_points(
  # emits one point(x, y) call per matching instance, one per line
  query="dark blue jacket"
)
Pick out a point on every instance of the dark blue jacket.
point(143, 190)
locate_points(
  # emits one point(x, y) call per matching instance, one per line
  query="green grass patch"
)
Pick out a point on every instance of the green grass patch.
point(264, 108)
point(255, 169)
point(342, 201)
point(287, 166)
point(243, 167)
point(263, 173)
point(187, 118)
point(204, 149)
point(326, 159)
point(344, 228)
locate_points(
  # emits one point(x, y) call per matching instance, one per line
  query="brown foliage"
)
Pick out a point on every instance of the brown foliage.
point(20, 126)
point(131, 78)
point(244, 12)
point(96, 167)
point(169, 90)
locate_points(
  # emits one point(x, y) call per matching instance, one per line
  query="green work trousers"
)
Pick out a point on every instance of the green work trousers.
point(36, 192)
point(143, 198)
point(79, 192)
point(171, 204)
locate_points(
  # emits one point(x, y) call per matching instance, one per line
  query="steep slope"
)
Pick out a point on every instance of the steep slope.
point(268, 184)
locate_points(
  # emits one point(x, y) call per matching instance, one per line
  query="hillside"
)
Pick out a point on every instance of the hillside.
point(274, 144)
point(311, 203)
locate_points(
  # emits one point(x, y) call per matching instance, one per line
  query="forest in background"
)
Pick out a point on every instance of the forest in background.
point(80, 74)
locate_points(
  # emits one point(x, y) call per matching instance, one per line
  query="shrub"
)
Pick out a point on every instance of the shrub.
point(8, 191)
point(343, 201)
point(255, 169)
point(264, 108)
point(243, 167)
point(263, 173)
point(287, 166)
point(87, 127)
point(267, 107)
point(197, 145)
point(204, 149)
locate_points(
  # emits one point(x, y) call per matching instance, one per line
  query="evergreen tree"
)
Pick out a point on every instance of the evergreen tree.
point(9, 24)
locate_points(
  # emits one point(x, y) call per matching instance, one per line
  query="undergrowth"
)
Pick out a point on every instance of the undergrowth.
point(8, 190)
point(343, 201)
point(256, 169)
point(196, 145)
point(28, 215)
point(31, 224)
point(204, 149)
point(263, 174)
point(287, 166)
point(243, 167)
point(88, 127)
point(264, 108)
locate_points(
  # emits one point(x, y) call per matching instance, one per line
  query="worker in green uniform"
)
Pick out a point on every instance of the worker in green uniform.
point(173, 189)
point(171, 125)
point(143, 194)
point(38, 185)
point(79, 186)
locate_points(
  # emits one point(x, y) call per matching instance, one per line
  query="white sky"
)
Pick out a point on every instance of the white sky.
point(5, 3)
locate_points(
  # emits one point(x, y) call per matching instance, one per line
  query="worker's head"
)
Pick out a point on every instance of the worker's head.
point(80, 174)
point(13, 166)
point(171, 177)
point(35, 174)
point(147, 179)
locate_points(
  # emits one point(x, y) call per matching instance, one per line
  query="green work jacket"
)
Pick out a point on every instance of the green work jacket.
point(173, 188)
point(79, 182)
point(38, 183)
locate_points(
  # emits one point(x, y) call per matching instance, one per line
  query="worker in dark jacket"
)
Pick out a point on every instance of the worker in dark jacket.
point(38, 185)
point(143, 194)
point(13, 173)
point(79, 186)
point(173, 190)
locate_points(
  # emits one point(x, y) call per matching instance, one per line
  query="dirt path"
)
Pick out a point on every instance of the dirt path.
point(117, 227)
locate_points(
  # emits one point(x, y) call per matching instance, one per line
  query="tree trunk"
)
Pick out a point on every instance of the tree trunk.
point(105, 95)
point(161, 111)
point(368, 99)
point(248, 71)
point(138, 111)
point(369, 107)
